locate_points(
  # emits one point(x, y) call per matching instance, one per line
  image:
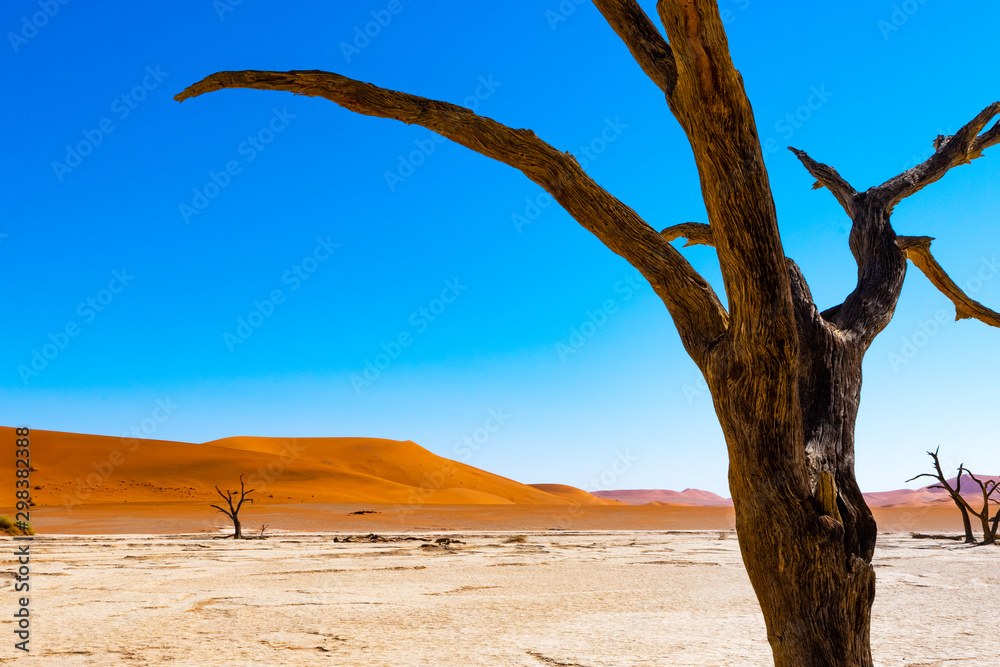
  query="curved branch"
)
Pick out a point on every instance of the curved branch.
point(696, 309)
point(222, 510)
point(644, 41)
point(227, 496)
point(966, 145)
point(828, 177)
point(696, 233)
point(918, 251)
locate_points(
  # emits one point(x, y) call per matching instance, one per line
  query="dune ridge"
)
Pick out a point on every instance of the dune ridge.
point(72, 469)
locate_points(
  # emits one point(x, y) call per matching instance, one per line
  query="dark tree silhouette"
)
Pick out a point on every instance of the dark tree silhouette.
point(234, 510)
point(988, 488)
point(785, 378)
point(955, 493)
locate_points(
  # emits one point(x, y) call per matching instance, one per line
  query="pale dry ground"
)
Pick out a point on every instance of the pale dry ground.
point(578, 599)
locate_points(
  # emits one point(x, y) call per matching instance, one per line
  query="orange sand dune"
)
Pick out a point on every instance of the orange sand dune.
point(73, 469)
point(100, 484)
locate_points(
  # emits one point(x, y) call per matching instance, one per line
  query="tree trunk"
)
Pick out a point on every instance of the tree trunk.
point(996, 525)
point(806, 535)
point(989, 536)
point(238, 534)
point(967, 524)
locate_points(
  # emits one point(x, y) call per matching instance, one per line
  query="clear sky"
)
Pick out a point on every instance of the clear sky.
point(138, 233)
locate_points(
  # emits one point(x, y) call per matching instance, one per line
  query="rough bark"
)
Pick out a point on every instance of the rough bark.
point(785, 378)
point(988, 488)
point(234, 510)
point(955, 493)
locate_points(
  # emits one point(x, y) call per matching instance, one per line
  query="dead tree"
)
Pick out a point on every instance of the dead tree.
point(988, 488)
point(234, 511)
point(785, 378)
point(955, 493)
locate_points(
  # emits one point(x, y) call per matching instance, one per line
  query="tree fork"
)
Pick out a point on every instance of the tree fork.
point(785, 378)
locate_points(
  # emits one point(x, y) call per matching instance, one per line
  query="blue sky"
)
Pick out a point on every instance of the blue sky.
point(372, 233)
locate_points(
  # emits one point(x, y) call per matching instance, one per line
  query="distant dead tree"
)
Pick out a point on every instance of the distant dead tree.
point(955, 492)
point(784, 374)
point(234, 511)
point(988, 488)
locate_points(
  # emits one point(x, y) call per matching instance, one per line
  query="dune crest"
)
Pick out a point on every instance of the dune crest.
point(73, 469)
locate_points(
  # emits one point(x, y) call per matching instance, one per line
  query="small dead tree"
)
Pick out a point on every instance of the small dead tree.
point(955, 493)
point(988, 488)
point(234, 511)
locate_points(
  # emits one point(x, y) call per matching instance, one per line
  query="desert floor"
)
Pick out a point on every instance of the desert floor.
point(583, 599)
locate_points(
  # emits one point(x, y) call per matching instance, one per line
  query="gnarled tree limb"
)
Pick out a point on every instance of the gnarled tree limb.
point(918, 251)
point(965, 146)
point(644, 41)
point(696, 233)
point(692, 302)
point(828, 177)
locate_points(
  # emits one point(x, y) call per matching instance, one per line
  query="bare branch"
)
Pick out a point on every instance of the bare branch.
point(696, 233)
point(644, 41)
point(222, 510)
point(925, 474)
point(989, 138)
point(966, 145)
point(828, 177)
point(696, 309)
point(244, 496)
point(228, 497)
point(918, 251)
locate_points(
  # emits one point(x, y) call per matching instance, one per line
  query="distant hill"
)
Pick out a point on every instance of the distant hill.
point(900, 497)
point(663, 496)
point(73, 469)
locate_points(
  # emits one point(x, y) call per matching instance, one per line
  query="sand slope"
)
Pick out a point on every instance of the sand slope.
point(575, 495)
point(74, 469)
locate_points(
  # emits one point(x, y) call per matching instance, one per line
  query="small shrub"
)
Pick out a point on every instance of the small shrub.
point(516, 539)
point(8, 527)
